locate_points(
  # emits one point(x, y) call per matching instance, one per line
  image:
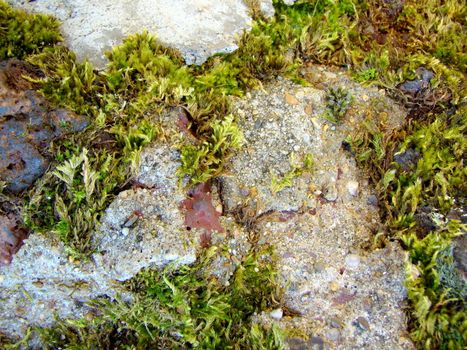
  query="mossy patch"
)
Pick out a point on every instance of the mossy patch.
point(182, 308)
point(22, 34)
point(382, 42)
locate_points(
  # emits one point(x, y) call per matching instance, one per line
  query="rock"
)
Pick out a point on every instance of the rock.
point(408, 159)
point(42, 283)
point(291, 99)
point(276, 314)
point(326, 225)
point(352, 188)
point(372, 200)
point(416, 86)
point(352, 261)
point(316, 343)
point(362, 323)
point(331, 192)
point(27, 125)
point(333, 335)
point(160, 235)
point(266, 7)
point(198, 28)
point(296, 344)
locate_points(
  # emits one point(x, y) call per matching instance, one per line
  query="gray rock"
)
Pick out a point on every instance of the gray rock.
point(352, 188)
point(352, 261)
point(198, 28)
point(321, 230)
point(41, 281)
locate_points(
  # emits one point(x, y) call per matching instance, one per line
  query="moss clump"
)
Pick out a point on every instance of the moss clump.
point(278, 184)
point(337, 103)
point(206, 160)
point(22, 34)
point(436, 291)
point(182, 308)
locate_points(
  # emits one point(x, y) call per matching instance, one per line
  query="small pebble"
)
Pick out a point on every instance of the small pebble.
point(352, 261)
point(334, 322)
point(296, 344)
point(319, 267)
point(334, 286)
point(352, 188)
point(316, 343)
point(276, 314)
point(331, 194)
point(372, 200)
point(125, 231)
point(363, 323)
point(333, 334)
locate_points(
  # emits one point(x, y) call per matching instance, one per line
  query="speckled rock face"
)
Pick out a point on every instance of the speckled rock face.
point(343, 293)
point(144, 227)
point(322, 225)
point(198, 28)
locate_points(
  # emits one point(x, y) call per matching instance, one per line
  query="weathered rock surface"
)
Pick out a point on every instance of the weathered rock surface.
point(27, 125)
point(345, 294)
point(145, 227)
point(322, 225)
point(42, 281)
point(198, 28)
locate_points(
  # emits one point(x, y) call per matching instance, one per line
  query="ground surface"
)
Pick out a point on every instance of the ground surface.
point(322, 225)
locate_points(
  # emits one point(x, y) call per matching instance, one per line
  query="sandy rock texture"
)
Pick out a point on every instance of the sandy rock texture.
point(198, 28)
point(345, 293)
point(340, 290)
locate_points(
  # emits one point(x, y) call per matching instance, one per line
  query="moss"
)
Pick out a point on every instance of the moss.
point(206, 160)
point(278, 184)
point(381, 42)
point(22, 34)
point(182, 307)
point(337, 103)
point(438, 313)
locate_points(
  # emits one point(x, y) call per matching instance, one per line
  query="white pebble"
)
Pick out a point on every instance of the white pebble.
point(352, 261)
point(352, 187)
point(125, 231)
point(276, 314)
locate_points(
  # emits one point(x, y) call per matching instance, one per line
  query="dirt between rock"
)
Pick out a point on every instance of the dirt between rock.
point(339, 291)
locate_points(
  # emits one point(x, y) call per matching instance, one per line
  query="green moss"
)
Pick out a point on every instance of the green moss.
point(206, 160)
point(182, 307)
point(436, 292)
point(22, 34)
point(337, 103)
point(380, 43)
point(278, 184)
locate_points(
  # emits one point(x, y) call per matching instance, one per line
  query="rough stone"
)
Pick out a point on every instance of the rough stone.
point(198, 28)
point(317, 220)
point(27, 125)
point(158, 236)
point(41, 281)
point(276, 314)
point(313, 237)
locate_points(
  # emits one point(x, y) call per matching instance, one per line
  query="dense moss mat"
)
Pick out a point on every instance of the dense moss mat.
point(22, 34)
point(380, 42)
